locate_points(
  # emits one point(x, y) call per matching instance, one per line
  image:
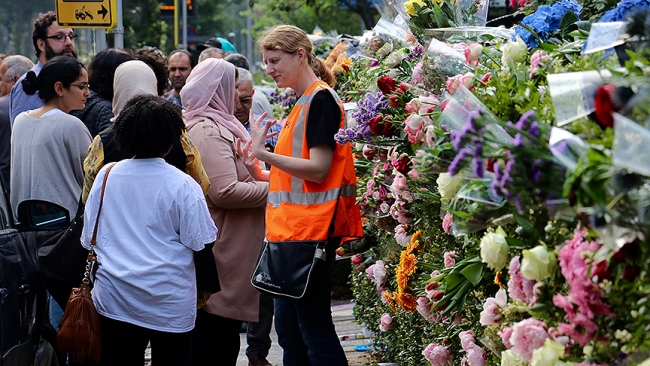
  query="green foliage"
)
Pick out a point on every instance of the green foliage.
point(593, 10)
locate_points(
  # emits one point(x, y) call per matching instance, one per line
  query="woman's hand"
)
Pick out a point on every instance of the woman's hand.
point(253, 165)
point(259, 135)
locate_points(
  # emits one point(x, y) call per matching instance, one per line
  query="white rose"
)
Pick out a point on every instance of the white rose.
point(414, 122)
point(509, 358)
point(548, 355)
point(494, 249)
point(537, 264)
point(448, 186)
point(513, 51)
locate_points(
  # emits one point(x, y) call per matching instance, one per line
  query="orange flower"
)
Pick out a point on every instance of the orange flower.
point(415, 243)
point(402, 279)
point(408, 263)
point(390, 301)
point(406, 301)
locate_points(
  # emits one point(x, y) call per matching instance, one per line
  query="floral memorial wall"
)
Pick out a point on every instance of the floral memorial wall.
point(504, 181)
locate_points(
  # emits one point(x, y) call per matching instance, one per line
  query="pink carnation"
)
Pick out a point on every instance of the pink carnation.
point(528, 335)
point(519, 287)
point(505, 334)
point(437, 355)
point(449, 259)
point(446, 223)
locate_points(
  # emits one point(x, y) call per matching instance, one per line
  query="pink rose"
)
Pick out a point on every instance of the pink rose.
point(491, 313)
point(428, 105)
point(435, 274)
point(424, 307)
point(528, 335)
point(449, 259)
point(370, 271)
point(437, 355)
point(486, 77)
point(370, 185)
point(505, 334)
point(429, 136)
point(452, 84)
point(476, 356)
point(466, 339)
point(519, 287)
point(473, 53)
point(414, 174)
point(379, 272)
point(401, 236)
point(386, 322)
point(413, 106)
point(446, 223)
point(467, 80)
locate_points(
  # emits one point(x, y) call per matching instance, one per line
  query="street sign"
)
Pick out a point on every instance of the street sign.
point(86, 13)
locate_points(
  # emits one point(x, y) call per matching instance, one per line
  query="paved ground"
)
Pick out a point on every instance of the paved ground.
point(350, 333)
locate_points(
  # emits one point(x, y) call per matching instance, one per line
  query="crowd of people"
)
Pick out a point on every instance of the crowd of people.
point(196, 163)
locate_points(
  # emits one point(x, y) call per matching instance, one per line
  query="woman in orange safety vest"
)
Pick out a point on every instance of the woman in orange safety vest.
point(312, 190)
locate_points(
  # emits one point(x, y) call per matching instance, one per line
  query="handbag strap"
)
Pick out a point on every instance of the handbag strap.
point(92, 258)
point(93, 240)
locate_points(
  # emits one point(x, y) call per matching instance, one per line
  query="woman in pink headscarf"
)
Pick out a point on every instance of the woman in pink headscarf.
point(237, 204)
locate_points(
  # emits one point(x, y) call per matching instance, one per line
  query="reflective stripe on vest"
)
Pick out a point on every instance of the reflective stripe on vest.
point(311, 198)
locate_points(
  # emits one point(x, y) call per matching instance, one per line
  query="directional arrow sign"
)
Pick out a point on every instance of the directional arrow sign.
point(86, 13)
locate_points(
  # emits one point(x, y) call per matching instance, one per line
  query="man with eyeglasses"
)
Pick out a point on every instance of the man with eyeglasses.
point(49, 40)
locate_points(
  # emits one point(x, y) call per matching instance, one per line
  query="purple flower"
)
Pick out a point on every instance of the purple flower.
point(518, 141)
point(518, 204)
point(522, 124)
point(455, 165)
point(534, 129)
point(478, 167)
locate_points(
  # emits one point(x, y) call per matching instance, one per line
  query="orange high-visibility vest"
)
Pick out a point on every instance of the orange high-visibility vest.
point(302, 210)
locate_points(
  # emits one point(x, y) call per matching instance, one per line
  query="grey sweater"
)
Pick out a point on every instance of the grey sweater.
point(47, 155)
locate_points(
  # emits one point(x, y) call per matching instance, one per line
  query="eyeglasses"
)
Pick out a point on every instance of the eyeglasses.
point(61, 37)
point(82, 87)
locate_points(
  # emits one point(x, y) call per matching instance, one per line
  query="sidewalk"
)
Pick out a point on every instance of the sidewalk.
point(349, 332)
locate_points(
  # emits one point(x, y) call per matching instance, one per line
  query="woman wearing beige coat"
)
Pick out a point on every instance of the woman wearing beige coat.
point(237, 204)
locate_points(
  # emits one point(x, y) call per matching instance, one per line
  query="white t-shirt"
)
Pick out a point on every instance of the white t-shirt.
point(153, 217)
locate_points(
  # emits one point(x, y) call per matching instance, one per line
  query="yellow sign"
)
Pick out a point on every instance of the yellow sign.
point(86, 13)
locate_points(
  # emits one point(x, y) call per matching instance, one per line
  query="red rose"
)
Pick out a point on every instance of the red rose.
point(394, 100)
point(403, 165)
point(443, 105)
point(386, 84)
point(381, 126)
point(404, 87)
point(604, 105)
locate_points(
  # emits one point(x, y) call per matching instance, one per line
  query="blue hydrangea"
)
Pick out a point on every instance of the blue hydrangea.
point(623, 9)
point(546, 20)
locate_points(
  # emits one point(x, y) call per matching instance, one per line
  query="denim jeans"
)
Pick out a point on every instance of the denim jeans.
point(305, 328)
point(258, 335)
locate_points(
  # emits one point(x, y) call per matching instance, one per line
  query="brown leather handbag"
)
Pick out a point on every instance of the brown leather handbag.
point(80, 332)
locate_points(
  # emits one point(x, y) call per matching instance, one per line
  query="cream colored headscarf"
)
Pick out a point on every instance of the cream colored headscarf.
point(131, 78)
point(210, 92)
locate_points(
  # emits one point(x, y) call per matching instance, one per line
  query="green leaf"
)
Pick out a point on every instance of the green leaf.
point(541, 307)
point(523, 222)
point(567, 24)
point(473, 273)
point(515, 243)
point(453, 281)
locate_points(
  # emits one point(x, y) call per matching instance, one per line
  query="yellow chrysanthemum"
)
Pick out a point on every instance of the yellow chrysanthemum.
point(497, 279)
point(410, 9)
point(406, 301)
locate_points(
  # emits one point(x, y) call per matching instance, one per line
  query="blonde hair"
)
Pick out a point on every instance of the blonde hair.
point(289, 38)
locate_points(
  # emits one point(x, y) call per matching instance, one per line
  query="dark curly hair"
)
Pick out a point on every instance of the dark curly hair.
point(101, 70)
point(148, 126)
point(62, 69)
point(156, 60)
point(40, 29)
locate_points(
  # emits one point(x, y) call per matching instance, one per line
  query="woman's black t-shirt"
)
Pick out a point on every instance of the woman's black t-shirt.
point(323, 120)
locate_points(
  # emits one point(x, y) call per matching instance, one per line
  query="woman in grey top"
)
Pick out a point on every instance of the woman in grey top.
point(48, 145)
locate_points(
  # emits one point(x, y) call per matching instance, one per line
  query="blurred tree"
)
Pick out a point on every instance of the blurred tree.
point(327, 13)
